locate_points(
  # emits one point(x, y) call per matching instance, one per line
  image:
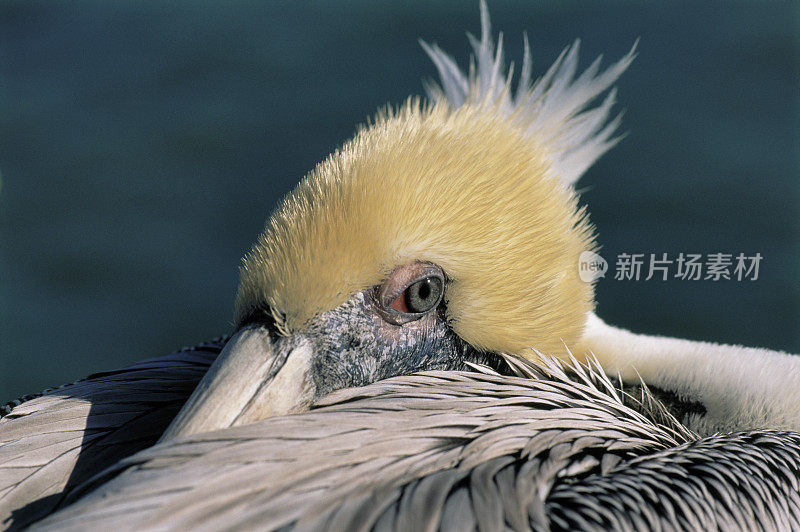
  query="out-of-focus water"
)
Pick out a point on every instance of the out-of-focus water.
point(143, 144)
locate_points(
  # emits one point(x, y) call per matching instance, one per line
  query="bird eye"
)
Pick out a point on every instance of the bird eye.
point(420, 296)
point(409, 292)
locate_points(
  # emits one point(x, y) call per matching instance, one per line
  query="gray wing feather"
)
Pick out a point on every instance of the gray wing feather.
point(454, 451)
point(53, 441)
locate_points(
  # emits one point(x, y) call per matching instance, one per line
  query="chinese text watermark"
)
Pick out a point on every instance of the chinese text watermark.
point(684, 266)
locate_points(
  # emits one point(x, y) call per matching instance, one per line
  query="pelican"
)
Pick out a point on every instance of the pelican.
point(444, 235)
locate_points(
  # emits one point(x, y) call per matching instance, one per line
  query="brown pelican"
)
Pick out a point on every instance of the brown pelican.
point(443, 235)
point(447, 231)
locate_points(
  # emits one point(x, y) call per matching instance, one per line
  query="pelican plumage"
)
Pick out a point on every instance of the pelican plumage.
point(444, 235)
point(454, 450)
point(52, 442)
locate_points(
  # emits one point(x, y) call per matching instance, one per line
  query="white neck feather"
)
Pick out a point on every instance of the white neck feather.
point(741, 387)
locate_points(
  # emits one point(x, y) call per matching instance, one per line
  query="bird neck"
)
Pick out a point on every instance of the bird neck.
point(739, 387)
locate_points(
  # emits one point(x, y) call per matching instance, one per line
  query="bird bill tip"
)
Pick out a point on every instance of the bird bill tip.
point(254, 377)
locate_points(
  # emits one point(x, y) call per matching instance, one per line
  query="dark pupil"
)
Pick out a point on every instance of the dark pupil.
point(424, 294)
point(424, 291)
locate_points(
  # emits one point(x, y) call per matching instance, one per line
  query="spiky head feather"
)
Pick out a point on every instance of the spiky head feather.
point(478, 182)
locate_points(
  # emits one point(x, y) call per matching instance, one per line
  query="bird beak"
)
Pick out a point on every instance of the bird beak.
point(254, 377)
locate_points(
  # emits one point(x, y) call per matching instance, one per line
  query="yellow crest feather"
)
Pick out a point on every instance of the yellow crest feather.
point(465, 189)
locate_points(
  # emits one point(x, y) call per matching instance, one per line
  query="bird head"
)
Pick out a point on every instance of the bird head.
point(441, 234)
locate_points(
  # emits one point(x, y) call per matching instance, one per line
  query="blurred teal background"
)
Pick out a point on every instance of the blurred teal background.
point(143, 145)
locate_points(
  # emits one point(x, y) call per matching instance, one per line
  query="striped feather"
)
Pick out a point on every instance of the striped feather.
point(58, 439)
point(452, 450)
